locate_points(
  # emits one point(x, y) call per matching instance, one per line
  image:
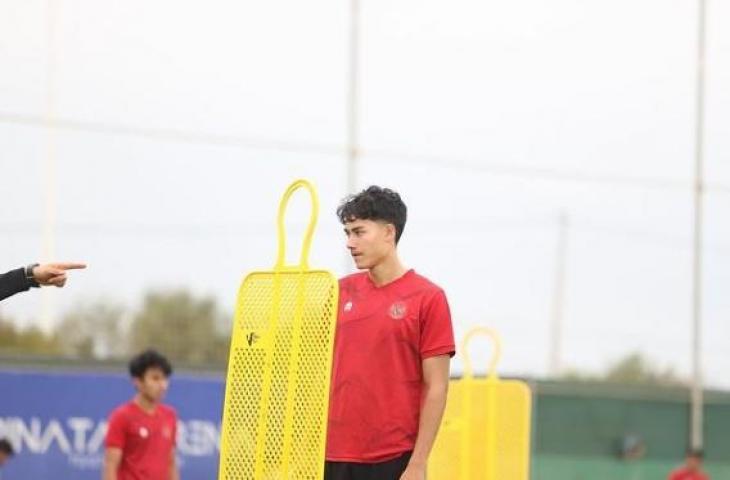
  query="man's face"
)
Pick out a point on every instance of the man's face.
point(693, 463)
point(369, 241)
point(3, 458)
point(153, 385)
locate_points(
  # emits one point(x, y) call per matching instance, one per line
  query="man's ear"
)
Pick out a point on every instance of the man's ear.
point(390, 232)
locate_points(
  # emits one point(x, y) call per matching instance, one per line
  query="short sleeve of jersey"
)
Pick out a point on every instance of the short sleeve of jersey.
point(437, 333)
point(116, 430)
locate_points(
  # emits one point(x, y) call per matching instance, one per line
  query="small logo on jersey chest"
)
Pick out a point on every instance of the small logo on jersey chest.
point(348, 306)
point(143, 432)
point(397, 310)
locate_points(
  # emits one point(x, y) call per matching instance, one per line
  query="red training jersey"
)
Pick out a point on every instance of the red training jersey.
point(383, 334)
point(684, 474)
point(146, 440)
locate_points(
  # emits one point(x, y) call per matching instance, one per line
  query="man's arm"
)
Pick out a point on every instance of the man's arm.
point(436, 386)
point(174, 471)
point(20, 280)
point(13, 282)
point(112, 459)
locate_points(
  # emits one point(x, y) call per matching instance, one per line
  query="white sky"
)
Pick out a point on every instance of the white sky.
point(489, 117)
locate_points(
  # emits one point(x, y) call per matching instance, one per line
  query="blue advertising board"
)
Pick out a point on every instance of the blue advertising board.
point(56, 422)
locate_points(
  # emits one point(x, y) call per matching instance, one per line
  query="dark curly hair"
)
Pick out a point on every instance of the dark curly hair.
point(146, 360)
point(375, 203)
point(695, 453)
point(6, 447)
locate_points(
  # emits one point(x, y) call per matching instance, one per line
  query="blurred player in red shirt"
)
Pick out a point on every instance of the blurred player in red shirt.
point(140, 441)
point(692, 468)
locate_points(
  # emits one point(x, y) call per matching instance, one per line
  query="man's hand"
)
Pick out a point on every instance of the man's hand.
point(54, 273)
point(414, 472)
point(436, 386)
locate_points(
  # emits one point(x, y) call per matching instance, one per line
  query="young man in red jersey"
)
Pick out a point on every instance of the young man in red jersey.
point(393, 345)
point(692, 468)
point(140, 441)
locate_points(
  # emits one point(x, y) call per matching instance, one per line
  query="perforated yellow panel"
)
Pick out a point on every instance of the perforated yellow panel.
point(277, 391)
point(485, 433)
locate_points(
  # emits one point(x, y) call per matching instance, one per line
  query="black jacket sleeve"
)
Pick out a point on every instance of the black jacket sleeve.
point(13, 282)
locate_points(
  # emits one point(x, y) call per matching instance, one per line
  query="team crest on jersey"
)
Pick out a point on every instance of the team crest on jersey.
point(348, 306)
point(397, 310)
point(143, 432)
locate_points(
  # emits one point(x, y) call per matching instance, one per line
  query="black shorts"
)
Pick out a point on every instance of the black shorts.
point(390, 470)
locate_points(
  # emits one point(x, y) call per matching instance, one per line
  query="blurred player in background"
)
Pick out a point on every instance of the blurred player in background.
point(140, 441)
point(692, 468)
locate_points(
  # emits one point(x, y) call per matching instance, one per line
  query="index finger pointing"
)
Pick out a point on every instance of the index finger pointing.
point(69, 266)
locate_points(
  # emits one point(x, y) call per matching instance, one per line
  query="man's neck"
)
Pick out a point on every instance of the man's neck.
point(388, 270)
point(145, 404)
